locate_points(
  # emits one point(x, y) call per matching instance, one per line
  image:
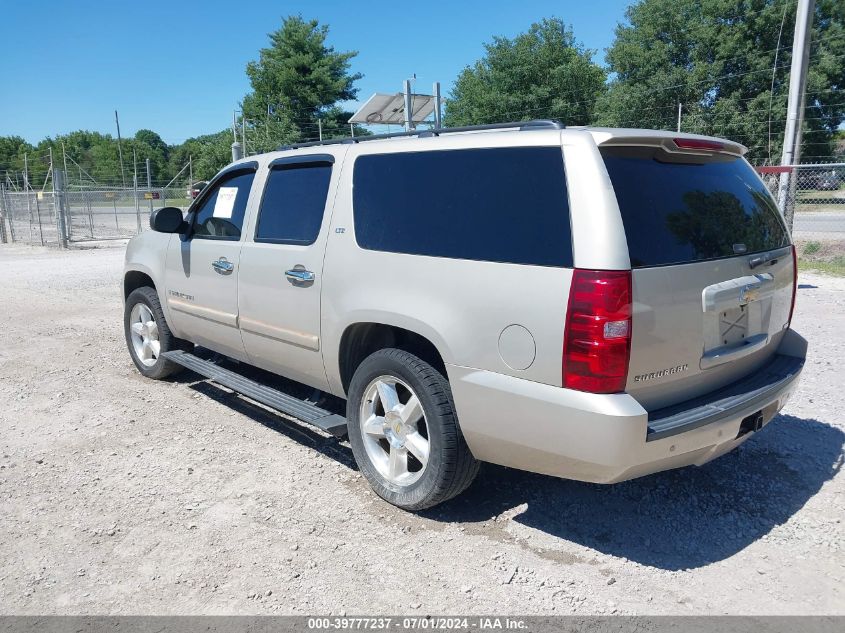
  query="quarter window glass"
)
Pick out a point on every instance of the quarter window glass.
point(221, 214)
point(499, 205)
point(293, 204)
point(682, 208)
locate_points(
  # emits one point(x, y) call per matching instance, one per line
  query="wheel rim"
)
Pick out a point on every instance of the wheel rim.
point(394, 429)
point(144, 333)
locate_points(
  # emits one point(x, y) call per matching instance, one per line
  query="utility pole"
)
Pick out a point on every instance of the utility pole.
point(438, 120)
point(795, 107)
point(237, 149)
point(120, 150)
point(679, 116)
point(243, 131)
point(320, 128)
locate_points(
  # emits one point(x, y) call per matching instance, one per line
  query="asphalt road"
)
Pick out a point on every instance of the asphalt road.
point(820, 222)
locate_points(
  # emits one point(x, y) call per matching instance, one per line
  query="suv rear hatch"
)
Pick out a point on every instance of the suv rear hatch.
point(712, 266)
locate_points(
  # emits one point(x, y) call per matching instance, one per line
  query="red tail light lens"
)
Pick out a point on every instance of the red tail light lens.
point(597, 338)
point(696, 143)
point(794, 284)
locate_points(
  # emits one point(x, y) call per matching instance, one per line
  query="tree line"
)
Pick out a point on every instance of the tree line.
point(724, 63)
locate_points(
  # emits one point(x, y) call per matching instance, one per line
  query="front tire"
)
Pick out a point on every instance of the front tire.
point(404, 431)
point(148, 336)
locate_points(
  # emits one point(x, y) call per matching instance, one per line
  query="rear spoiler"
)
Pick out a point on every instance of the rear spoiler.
point(670, 141)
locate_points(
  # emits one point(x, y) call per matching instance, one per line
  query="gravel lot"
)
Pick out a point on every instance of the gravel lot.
point(121, 495)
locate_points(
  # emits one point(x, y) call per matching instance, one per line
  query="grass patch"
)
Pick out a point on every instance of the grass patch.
point(812, 247)
point(826, 256)
point(833, 267)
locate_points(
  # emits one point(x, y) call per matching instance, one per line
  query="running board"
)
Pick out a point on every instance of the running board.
point(273, 398)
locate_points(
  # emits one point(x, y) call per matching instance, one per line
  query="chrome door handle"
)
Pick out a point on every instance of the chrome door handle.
point(299, 275)
point(223, 266)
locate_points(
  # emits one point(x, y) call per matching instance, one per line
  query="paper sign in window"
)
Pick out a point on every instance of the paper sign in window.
point(225, 202)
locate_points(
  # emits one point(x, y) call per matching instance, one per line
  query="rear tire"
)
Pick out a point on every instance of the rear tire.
point(404, 431)
point(148, 336)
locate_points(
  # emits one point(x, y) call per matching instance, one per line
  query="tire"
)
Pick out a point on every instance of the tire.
point(154, 366)
point(450, 467)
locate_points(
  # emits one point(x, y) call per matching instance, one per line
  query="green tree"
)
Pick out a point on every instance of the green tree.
point(208, 154)
point(295, 81)
point(716, 57)
point(544, 73)
point(12, 150)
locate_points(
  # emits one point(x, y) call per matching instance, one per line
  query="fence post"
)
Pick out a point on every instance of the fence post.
point(10, 214)
point(38, 215)
point(150, 185)
point(135, 189)
point(3, 213)
point(60, 204)
point(87, 196)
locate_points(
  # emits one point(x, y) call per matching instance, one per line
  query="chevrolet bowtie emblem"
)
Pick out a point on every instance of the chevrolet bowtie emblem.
point(748, 294)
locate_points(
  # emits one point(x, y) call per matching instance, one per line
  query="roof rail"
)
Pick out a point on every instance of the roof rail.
point(537, 124)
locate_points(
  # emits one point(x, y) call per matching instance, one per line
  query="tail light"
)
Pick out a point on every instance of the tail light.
point(597, 337)
point(794, 284)
point(697, 143)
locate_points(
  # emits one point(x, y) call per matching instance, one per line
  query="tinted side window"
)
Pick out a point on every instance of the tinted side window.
point(221, 214)
point(293, 204)
point(500, 205)
point(683, 208)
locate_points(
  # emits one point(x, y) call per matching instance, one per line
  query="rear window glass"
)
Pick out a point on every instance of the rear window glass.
point(681, 208)
point(499, 205)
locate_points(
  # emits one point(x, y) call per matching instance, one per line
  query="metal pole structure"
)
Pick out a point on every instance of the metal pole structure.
point(135, 188)
point(3, 213)
point(409, 115)
point(60, 203)
point(9, 213)
point(150, 185)
point(679, 116)
point(67, 175)
point(320, 128)
point(38, 215)
point(190, 174)
point(50, 170)
point(26, 189)
point(120, 149)
point(352, 129)
point(438, 116)
point(795, 106)
point(237, 149)
point(243, 132)
point(64, 161)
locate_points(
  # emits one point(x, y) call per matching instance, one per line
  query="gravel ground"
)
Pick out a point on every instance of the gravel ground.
point(120, 495)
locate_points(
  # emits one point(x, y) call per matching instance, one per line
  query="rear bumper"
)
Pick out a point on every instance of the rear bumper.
point(610, 438)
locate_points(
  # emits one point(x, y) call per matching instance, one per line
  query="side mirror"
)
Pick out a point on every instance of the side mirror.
point(168, 220)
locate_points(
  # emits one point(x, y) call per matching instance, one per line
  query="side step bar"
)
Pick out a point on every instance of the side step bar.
point(273, 398)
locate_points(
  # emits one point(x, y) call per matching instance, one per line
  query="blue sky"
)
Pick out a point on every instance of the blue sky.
point(179, 67)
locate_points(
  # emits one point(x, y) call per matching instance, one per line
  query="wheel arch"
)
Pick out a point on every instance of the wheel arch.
point(134, 279)
point(361, 339)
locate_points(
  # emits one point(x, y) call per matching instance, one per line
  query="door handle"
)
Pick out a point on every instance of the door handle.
point(300, 275)
point(223, 266)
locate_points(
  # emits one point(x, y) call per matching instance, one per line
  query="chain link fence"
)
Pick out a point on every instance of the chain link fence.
point(67, 214)
point(813, 195)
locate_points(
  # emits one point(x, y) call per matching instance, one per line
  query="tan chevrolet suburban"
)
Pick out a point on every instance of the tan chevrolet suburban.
point(596, 304)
